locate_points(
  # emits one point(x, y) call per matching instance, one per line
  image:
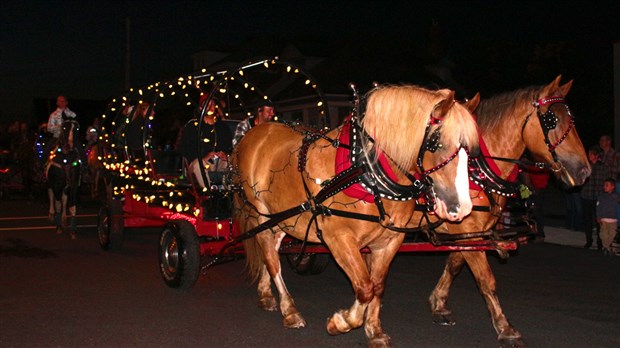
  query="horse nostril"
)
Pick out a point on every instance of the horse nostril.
point(454, 212)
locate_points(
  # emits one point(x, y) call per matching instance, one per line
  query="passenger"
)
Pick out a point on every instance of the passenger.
point(135, 131)
point(92, 132)
point(212, 145)
point(264, 113)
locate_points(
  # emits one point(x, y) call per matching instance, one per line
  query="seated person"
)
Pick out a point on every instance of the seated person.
point(212, 146)
point(264, 114)
point(135, 132)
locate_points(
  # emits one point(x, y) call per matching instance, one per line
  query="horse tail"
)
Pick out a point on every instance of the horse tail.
point(253, 259)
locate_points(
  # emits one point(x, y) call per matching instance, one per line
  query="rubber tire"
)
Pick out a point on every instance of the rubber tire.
point(179, 255)
point(311, 264)
point(110, 225)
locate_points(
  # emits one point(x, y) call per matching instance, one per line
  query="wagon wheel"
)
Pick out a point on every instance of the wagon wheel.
point(179, 255)
point(307, 263)
point(110, 225)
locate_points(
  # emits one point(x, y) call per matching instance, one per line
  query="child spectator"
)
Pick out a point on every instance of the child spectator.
point(606, 205)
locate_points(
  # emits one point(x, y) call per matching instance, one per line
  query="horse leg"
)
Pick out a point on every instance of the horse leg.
point(347, 255)
point(508, 336)
point(72, 224)
point(266, 299)
point(63, 211)
point(439, 297)
point(379, 262)
point(52, 209)
point(57, 215)
point(270, 244)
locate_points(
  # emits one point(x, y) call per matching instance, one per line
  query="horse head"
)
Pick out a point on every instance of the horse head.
point(451, 134)
point(428, 135)
point(69, 135)
point(550, 134)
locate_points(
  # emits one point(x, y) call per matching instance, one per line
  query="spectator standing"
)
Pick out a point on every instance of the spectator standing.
point(612, 159)
point(574, 211)
point(606, 205)
point(589, 194)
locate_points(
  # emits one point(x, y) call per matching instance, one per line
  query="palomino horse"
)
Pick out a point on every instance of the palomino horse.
point(63, 175)
point(536, 119)
point(333, 188)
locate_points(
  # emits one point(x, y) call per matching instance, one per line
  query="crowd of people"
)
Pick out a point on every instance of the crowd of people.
point(594, 207)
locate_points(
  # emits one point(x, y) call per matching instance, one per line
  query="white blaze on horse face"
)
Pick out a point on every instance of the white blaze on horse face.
point(461, 183)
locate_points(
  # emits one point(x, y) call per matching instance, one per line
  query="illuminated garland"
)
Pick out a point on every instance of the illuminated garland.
point(139, 177)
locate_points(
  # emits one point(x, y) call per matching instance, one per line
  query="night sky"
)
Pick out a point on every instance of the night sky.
point(77, 48)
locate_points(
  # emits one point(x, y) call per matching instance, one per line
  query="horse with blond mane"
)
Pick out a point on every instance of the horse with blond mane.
point(536, 119)
point(351, 188)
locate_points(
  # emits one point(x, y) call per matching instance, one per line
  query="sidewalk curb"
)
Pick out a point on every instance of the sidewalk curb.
point(563, 236)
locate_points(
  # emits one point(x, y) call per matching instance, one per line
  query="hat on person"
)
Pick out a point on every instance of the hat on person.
point(264, 102)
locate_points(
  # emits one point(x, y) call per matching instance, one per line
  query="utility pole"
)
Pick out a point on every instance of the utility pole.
point(127, 54)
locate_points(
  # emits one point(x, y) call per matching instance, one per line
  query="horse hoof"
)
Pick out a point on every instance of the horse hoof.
point(380, 341)
point(511, 343)
point(294, 321)
point(268, 304)
point(444, 319)
point(337, 325)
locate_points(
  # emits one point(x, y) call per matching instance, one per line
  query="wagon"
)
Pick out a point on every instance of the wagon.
point(149, 186)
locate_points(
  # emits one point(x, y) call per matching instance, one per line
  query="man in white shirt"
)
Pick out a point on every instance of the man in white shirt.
point(54, 123)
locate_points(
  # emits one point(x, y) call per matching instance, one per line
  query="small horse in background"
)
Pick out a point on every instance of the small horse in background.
point(96, 169)
point(536, 119)
point(280, 168)
point(63, 171)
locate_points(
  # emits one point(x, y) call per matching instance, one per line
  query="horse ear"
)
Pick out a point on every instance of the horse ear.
point(442, 108)
point(551, 88)
point(565, 88)
point(472, 104)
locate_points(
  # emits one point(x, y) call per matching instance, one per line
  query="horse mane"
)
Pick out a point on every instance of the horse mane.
point(492, 112)
point(397, 116)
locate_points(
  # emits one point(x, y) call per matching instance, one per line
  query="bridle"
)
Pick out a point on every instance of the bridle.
point(549, 121)
point(431, 144)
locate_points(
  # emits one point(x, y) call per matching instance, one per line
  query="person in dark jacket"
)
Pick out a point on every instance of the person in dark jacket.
point(210, 141)
point(606, 205)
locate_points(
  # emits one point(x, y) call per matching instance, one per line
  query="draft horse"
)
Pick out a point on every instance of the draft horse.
point(350, 188)
point(536, 119)
point(63, 172)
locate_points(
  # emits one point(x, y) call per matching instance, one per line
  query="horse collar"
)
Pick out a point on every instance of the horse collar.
point(378, 178)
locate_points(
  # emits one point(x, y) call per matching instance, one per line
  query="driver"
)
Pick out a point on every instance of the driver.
point(212, 145)
point(264, 113)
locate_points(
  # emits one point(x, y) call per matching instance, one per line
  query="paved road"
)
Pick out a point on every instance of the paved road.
point(57, 292)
